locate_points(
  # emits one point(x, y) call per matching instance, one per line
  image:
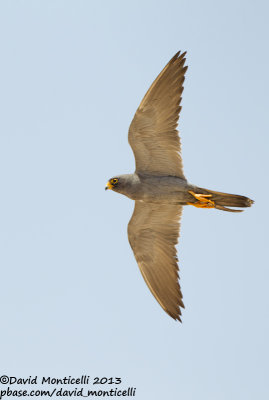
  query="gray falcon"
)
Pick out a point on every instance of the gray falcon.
point(160, 189)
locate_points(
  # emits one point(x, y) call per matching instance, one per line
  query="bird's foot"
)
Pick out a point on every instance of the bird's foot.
point(203, 200)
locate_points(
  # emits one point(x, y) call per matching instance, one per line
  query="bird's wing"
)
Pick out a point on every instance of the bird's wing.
point(153, 234)
point(152, 134)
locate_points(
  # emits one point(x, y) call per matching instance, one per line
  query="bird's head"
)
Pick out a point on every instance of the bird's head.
point(117, 183)
point(120, 183)
point(113, 184)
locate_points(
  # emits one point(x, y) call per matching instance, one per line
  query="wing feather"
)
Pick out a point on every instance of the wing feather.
point(153, 133)
point(153, 234)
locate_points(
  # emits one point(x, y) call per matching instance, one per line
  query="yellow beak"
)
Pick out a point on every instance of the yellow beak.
point(108, 186)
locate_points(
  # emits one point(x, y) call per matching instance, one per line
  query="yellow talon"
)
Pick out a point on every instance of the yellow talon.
point(203, 200)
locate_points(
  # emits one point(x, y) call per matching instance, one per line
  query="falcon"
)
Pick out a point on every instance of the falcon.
point(159, 187)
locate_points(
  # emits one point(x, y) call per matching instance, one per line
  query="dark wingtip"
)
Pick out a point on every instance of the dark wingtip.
point(177, 318)
point(178, 56)
point(177, 314)
point(175, 57)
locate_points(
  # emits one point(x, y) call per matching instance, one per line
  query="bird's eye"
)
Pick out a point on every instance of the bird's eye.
point(115, 180)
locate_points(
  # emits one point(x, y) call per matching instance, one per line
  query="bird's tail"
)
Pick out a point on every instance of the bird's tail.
point(223, 200)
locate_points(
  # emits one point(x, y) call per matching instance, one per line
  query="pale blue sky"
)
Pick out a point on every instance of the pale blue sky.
point(72, 298)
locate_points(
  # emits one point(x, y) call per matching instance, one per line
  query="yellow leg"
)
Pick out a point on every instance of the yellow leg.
point(203, 200)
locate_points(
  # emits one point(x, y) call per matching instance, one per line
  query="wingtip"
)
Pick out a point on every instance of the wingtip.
point(177, 314)
point(178, 319)
point(178, 56)
point(175, 57)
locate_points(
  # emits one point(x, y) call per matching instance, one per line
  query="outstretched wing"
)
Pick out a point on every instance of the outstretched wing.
point(153, 234)
point(152, 134)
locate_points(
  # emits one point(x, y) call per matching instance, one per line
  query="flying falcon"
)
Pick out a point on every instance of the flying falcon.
point(160, 189)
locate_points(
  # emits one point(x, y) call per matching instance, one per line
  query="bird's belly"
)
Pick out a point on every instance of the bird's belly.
point(170, 198)
point(163, 190)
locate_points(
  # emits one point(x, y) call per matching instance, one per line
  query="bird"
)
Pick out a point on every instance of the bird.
point(159, 187)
